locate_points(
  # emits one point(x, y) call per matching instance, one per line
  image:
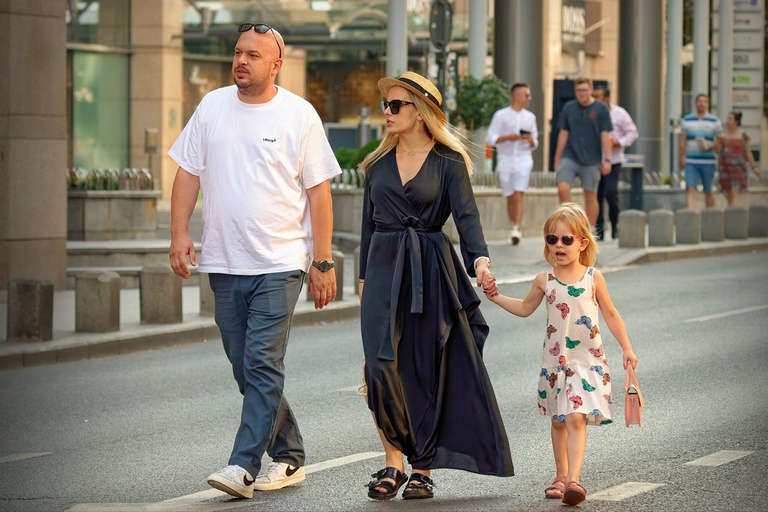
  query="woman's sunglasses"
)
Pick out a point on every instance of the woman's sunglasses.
point(394, 105)
point(567, 239)
point(260, 28)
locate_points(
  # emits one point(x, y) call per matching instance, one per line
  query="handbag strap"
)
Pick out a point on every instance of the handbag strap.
point(631, 375)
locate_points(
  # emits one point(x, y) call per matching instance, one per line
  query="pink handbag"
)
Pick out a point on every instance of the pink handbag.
point(634, 399)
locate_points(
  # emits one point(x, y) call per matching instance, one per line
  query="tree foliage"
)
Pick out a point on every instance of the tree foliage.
point(478, 100)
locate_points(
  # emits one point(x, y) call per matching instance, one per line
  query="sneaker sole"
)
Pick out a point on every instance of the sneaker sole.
point(230, 490)
point(515, 240)
point(295, 479)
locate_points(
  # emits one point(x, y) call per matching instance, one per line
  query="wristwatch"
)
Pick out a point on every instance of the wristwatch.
point(323, 265)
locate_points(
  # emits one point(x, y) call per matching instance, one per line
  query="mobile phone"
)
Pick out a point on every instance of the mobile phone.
point(524, 132)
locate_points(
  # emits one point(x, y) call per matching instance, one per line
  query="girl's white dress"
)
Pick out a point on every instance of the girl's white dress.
point(574, 374)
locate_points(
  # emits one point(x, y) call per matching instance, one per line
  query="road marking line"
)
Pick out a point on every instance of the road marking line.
point(718, 458)
point(623, 491)
point(728, 313)
point(161, 507)
point(312, 468)
point(21, 456)
point(342, 461)
point(350, 388)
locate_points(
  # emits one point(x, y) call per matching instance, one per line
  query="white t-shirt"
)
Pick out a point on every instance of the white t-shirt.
point(505, 122)
point(255, 163)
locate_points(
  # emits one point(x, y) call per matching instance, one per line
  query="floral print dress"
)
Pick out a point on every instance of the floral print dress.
point(574, 374)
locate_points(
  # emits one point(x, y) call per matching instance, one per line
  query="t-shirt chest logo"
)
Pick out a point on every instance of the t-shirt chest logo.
point(593, 115)
point(272, 141)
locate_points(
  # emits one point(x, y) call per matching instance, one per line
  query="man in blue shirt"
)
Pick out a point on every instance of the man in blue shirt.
point(697, 140)
point(585, 135)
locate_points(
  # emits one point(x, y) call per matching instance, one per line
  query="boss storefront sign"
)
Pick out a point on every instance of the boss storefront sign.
point(577, 18)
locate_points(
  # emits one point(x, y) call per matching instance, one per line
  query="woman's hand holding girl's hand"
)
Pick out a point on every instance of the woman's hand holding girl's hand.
point(629, 357)
point(490, 289)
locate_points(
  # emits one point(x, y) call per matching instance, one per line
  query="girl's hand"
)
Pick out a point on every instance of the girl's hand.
point(490, 288)
point(629, 357)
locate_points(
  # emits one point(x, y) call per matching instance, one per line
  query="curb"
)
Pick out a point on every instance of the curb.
point(195, 329)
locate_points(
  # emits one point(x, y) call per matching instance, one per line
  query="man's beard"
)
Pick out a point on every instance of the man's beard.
point(254, 87)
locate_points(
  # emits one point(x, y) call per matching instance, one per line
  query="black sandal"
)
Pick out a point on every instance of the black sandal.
point(419, 487)
point(391, 488)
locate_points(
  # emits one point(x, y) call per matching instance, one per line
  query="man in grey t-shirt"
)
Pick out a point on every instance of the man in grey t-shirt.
point(585, 136)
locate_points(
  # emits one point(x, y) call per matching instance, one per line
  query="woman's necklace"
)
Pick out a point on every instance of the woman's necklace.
point(411, 153)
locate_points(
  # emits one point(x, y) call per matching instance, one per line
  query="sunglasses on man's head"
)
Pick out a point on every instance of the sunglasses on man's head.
point(260, 28)
point(567, 239)
point(394, 105)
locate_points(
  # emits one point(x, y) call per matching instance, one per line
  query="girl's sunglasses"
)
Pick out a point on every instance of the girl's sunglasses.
point(394, 105)
point(260, 28)
point(567, 239)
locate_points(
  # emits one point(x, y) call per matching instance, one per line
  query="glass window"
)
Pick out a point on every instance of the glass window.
point(100, 99)
point(104, 22)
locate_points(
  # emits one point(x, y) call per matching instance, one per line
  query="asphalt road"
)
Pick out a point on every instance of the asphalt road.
point(131, 432)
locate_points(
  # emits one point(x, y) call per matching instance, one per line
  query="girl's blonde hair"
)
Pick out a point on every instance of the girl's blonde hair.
point(438, 129)
point(575, 218)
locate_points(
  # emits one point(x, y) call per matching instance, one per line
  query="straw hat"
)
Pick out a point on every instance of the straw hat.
point(418, 85)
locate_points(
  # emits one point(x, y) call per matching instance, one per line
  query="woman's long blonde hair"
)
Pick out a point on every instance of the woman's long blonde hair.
point(438, 129)
point(574, 217)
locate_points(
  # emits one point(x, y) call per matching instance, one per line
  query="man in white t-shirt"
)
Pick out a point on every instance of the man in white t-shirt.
point(260, 157)
point(513, 131)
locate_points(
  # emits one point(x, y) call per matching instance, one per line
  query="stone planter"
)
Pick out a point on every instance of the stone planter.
point(95, 215)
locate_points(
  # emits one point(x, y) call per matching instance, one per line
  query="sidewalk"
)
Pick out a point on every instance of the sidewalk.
point(511, 264)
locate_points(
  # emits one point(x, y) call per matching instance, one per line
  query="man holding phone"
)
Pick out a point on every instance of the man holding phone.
point(514, 134)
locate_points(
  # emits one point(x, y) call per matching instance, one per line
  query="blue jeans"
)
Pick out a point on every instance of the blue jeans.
point(608, 190)
point(695, 171)
point(254, 316)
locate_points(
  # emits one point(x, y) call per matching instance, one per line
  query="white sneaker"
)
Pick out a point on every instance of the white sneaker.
point(234, 481)
point(279, 475)
point(515, 236)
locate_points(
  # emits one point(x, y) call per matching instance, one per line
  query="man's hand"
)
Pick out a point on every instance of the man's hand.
point(614, 143)
point(322, 285)
point(512, 137)
point(605, 169)
point(181, 246)
point(528, 138)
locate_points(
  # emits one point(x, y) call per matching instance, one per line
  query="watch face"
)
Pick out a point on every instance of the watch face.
point(323, 266)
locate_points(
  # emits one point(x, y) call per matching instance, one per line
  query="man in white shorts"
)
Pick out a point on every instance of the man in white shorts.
point(513, 132)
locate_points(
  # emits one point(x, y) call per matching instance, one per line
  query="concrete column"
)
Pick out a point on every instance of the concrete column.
point(700, 47)
point(640, 55)
point(159, 295)
point(33, 142)
point(674, 94)
point(97, 302)
point(478, 37)
point(725, 60)
point(517, 55)
point(397, 45)
point(661, 228)
point(156, 83)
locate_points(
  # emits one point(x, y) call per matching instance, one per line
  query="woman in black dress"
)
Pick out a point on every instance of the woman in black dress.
point(422, 331)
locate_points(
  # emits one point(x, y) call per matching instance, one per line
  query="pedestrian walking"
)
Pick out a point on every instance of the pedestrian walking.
point(514, 133)
point(624, 134)
point(261, 159)
point(585, 136)
point(697, 139)
point(422, 329)
point(574, 380)
point(735, 155)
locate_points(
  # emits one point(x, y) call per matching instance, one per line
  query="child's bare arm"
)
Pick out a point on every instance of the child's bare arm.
point(613, 320)
point(525, 306)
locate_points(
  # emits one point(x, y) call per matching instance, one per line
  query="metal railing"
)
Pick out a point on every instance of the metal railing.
point(109, 179)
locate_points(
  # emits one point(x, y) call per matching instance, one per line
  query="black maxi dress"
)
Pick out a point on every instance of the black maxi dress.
point(422, 331)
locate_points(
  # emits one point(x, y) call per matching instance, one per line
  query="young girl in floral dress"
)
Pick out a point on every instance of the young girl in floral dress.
point(574, 380)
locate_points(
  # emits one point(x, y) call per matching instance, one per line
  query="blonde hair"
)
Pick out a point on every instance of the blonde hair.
point(575, 218)
point(441, 131)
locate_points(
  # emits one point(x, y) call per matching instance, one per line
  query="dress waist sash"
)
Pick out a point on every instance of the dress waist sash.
point(409, 242)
